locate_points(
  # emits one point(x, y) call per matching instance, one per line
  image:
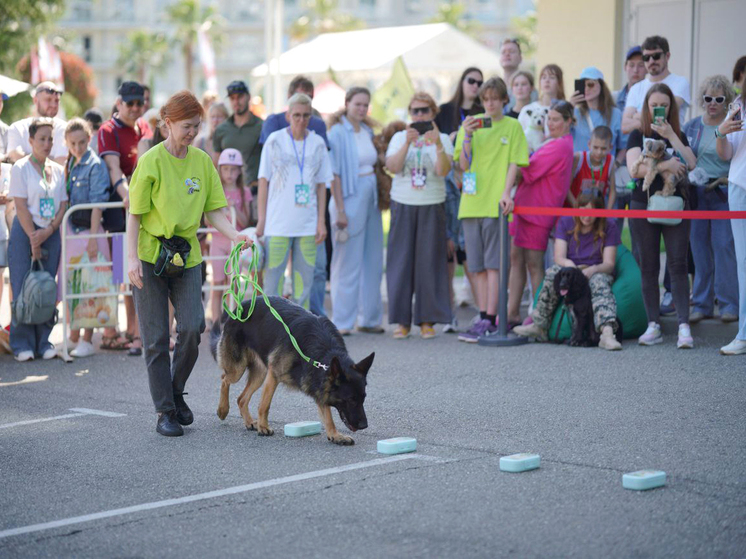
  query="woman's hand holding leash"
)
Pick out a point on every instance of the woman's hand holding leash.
point(241, 238)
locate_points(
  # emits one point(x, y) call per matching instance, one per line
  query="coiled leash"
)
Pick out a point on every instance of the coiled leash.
point(237, 289)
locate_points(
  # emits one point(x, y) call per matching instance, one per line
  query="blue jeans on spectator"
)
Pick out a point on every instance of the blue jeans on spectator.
point(737, 203)
point(318, 289)
point(166, 376)
point(30, 337)
point(714, 257)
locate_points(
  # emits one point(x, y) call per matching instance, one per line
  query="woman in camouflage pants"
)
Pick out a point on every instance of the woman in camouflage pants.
point(588, 243)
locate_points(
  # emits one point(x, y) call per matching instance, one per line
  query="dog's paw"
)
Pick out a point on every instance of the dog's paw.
point(222, 412)
point(251, 426)
point(575, 343)
point(264, 431)
point(342, 440)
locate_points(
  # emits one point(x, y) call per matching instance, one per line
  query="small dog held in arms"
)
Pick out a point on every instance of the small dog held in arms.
point(535, 130)
point(262, 346)
point(654, 153)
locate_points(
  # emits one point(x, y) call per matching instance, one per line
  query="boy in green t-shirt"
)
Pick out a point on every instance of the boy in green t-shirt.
point(490, 156)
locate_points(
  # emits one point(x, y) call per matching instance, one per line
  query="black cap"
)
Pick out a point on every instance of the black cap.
point(237, 86)
point(131, 91)
point(94, 116)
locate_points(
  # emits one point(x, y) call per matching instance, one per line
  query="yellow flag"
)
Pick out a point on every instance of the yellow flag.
point(390, 101)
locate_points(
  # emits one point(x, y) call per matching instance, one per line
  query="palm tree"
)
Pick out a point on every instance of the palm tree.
point(144, 52)
point(189, 17)
point(323, 16)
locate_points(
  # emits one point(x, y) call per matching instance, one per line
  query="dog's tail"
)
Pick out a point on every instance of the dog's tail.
point(215, 334)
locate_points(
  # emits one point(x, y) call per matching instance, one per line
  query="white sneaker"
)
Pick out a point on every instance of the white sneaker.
point(452, 327)
point(685, 337)
point(736, 347)
point(25, 356)
point(652, 335)
point(49, 353)
point(83, 349)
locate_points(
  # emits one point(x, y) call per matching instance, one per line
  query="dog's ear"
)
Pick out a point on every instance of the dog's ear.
point(364, 366)
point(529, 112)
point(557, 280)
point(335, 370)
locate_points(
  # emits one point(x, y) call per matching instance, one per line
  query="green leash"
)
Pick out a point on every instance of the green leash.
point(237, 289)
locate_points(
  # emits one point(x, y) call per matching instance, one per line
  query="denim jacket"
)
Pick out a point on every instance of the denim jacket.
point(344, 154)
point(693, 131)
point(88, 182)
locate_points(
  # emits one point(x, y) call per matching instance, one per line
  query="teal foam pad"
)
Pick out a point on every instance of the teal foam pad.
point(398, 445)
point(644, 479)
point(520, 462)
point(302, 429)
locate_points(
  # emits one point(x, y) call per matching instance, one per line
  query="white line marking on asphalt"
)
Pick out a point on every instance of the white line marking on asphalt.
point(87, 411)
point(201, 496)
point(413, 456)
point(78, 413)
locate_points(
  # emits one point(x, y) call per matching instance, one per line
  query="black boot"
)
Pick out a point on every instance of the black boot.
point(183, 414)
point(168, 425)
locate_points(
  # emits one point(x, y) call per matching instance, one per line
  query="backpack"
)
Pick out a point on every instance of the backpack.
point(37, 301)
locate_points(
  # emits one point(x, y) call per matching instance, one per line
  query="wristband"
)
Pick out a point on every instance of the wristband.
point(717, 133)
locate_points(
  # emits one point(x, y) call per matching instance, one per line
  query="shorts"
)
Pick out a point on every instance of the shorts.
point(482, 239)
point(460, 257)
point(528, 235)
point(219, 247)
point(3, 253)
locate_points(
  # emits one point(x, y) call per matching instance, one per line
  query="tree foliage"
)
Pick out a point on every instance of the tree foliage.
point(455, 14)
point(323, 16)
point(525, 29)
point(143, 53)
point(21, 23)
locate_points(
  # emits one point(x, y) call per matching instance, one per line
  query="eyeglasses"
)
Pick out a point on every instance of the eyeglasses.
point(135, 103)
point(655, 56)
point(472, 81)
point(720, 99)
point(420, 110)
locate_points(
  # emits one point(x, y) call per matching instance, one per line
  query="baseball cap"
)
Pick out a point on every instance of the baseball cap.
point(633, 52)
point(591, 73)
point(131, 91)
point(230, 156)
point(237, 86)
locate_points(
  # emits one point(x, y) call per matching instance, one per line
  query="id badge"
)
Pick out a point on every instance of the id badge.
point(46, 208)
point(419, 178)
point(302, 194)
point(470, 183)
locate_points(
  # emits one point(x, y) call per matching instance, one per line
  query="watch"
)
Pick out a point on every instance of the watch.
point(717, 133)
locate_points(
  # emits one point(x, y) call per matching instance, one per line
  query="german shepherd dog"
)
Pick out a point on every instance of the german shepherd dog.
point(262, 345)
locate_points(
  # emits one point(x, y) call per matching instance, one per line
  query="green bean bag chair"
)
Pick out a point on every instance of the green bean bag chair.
point(627, 291)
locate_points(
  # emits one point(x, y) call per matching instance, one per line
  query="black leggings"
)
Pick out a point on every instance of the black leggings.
point(647, 237)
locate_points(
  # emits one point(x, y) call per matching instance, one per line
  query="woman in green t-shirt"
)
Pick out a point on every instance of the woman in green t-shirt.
point(172, 186)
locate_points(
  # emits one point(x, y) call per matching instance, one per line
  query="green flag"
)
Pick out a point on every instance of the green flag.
point(390, 101)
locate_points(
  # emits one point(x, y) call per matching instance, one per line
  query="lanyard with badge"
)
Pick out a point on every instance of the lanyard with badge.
point(302, 190)
point(469, 181)
point(46, 202)
point(597, 181)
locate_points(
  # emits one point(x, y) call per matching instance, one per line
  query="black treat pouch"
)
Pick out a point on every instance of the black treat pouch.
point(172, 259)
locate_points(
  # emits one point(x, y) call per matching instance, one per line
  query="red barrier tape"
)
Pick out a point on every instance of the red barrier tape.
point(692, 214)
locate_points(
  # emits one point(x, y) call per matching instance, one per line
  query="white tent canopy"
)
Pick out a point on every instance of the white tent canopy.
point(12, 87)
point(437, 47)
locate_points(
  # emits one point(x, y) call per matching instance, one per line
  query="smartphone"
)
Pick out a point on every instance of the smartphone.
point(659, 115)
point(735, 110)
point(483, 121)
point(580, 86)
point(422, 127)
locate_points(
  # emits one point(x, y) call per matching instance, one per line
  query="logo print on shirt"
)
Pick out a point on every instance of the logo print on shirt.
point(193, 185)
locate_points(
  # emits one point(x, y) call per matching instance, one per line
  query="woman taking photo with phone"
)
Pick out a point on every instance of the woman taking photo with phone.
point(647, 236)
point(420, 157)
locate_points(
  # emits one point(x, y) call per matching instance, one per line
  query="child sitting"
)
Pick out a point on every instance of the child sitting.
point(593, 169)
point(239, 198)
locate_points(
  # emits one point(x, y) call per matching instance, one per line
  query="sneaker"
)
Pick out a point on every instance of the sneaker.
point(728, 317)
point(25, 356)
point(49, 353)
point(370, 329)
point(667, 306)
point(652, 335)
point(698, 316)
point(531, 331)
point(685, 337)
point(608, 341)
point(427, 331)
point(481, 328)
point(401, 332)
point(451, 328)
point(736, 347)
point(83, 349)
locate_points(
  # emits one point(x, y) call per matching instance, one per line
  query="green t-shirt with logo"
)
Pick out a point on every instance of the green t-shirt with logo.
point(170, 195)
point(493, 150)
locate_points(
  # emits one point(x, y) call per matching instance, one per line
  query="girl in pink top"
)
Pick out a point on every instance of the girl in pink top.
point(239, 198)
point(546, 182)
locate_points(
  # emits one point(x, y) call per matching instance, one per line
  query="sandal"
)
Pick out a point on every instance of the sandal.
point(401, 332)
point(135, 351)
point(115, 343)
point(427, 331)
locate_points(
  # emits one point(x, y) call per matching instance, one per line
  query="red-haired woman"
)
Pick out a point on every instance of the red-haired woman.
point(174, 183)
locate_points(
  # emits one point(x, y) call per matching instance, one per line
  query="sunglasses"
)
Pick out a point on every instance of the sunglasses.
point(50, 91)
point(720, 99)
point(472, 81)
point(655, 56)
point(136, 103)
point(234, 90)
point(420, 110)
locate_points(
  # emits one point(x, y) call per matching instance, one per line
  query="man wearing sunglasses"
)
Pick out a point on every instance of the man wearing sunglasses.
point(47, 104)
point(655, 55)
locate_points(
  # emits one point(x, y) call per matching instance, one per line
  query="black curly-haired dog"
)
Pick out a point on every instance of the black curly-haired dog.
point(573, 286)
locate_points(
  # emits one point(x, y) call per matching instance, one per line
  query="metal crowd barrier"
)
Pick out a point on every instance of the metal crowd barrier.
point(66, 266)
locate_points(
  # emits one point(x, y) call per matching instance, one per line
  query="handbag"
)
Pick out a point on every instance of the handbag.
point(37, 301)
point(667, 204)
point(172, 258)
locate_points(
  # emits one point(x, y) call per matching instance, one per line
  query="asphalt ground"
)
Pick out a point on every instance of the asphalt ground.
point(591, 415)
